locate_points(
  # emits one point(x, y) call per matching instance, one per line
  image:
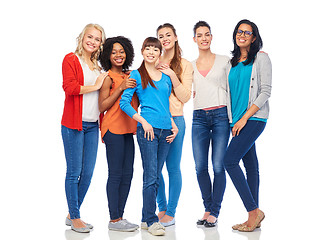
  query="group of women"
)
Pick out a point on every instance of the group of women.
point(228, 95)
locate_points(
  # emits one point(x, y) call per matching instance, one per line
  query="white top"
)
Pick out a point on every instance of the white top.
point(90, 106)
point(211, 90)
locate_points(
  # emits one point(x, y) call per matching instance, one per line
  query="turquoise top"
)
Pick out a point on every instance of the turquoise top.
point(239, 83)
point(154, 102)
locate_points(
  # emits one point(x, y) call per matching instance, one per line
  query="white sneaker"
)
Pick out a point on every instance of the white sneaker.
point(144, 226)
point(156, 229)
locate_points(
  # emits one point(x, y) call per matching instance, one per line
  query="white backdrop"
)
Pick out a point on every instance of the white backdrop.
point(296, 163)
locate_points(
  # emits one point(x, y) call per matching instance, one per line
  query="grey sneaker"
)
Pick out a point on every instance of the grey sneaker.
point(123, 226)
point(131, 224)
point(156, 229)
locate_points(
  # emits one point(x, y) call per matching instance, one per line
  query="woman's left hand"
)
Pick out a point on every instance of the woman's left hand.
point(171, 138)
point(238, 126)
point(162, 67)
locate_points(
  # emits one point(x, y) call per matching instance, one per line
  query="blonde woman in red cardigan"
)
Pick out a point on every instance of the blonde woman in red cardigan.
point(79, 126)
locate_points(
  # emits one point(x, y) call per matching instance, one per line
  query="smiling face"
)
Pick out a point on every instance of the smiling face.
point(151, 54)
point(203, 38)
point(167, 38)
point(118, 55)
point(91, 40)
point(243, 38)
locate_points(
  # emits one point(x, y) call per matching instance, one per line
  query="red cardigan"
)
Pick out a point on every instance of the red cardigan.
point(73, 79)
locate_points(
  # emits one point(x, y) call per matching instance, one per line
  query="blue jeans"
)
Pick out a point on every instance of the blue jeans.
point(153, 155)
point(120, 150)
point(80, 153)
point(243, 147)
point(213, 127)
point(173, 162)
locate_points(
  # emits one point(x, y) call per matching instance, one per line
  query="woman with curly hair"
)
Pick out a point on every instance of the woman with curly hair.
point(117, 128)
point(181, 73)
point(79, 125)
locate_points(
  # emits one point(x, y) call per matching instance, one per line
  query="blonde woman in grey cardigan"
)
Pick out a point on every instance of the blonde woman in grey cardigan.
point(248, 89)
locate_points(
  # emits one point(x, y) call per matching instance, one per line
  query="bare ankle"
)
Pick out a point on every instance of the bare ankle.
point(161, 214)
point(166, 218)
point(206, 215)
point(211, 219)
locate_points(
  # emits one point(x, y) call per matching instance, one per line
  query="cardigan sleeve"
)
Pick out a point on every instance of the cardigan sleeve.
point(265, 74)
point(71, 73)
point(183, 91)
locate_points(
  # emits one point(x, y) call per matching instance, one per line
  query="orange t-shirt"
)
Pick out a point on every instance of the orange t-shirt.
point(115, 120)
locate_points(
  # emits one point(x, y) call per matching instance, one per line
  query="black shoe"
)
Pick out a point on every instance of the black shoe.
point(201, 222)
point(210, 224)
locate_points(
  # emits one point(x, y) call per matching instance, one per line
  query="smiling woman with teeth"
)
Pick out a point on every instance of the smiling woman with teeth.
point(210, 122)
point(181, 73)
point(156, 128)
point(79, 125)
point(117, 128)
point(249, 88)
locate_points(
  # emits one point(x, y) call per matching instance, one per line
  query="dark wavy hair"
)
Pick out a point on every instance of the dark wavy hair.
point(254, 47)
point(107, 50)
point(201, 24)
point(175, 64)
point(145, 77)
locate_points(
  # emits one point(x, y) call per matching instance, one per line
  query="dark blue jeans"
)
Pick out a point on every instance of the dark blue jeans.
point(243, 147)
point(120, 152)
point(80, 152)
point(153, 155)
point(210, 126)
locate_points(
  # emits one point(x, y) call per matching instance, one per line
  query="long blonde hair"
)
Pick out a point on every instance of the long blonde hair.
point(96, 54)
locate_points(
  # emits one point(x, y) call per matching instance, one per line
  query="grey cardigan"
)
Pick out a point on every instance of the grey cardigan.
point(260, 86)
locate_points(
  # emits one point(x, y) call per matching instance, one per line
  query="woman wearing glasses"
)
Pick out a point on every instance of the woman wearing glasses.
point(249, 87)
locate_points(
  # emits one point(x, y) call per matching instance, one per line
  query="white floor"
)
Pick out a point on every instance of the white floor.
point(297, 200)
point(296, 194)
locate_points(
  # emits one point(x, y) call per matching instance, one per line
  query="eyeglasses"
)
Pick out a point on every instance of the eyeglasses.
point(246, 33)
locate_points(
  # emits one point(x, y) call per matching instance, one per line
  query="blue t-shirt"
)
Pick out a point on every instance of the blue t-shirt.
point(239, 82)
point(154, 102)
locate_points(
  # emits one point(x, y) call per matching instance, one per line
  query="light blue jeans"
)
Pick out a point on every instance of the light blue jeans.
point(174, 172)
point(153, 155)
point(80, 153)
point(210, 127)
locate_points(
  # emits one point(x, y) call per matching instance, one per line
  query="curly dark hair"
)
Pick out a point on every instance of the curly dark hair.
point(107, 50)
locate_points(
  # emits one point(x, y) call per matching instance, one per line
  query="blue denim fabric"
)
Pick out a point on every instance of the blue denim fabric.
point(210, 126)
point(173, 162)
point(153, 155)
point(243, 147)
point(120, 152)
point(80, 153)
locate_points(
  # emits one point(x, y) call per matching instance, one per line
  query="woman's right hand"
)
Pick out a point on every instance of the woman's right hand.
point(149, 133)
point(128, 83)
point(100, 79)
